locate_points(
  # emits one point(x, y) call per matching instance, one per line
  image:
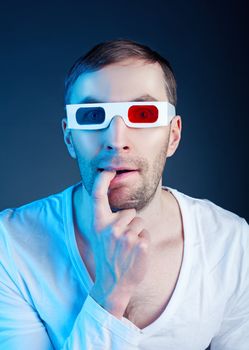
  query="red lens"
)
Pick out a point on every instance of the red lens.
point(143, 114)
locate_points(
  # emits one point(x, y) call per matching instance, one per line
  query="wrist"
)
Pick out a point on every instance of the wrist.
point(114, 303)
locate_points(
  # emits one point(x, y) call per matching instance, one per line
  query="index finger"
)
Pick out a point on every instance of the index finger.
point(101, 206)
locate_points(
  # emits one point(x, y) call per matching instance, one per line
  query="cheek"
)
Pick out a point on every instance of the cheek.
point(86, 144)
point(154, 141)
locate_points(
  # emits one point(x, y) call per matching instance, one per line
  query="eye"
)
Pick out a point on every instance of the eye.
point(143, 114)
point(86, 116)
point(93, 114)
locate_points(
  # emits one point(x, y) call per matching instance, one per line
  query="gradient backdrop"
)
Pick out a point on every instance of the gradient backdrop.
point(206, 43)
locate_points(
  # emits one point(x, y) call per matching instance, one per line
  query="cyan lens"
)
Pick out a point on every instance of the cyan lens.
point(90, 115)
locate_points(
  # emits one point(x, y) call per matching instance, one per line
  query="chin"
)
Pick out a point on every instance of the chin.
point(118, 202)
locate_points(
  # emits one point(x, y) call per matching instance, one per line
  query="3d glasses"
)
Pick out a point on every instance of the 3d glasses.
point(93, 116)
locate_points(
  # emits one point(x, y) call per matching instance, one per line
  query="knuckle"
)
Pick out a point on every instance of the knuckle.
point(128, 239)
point(143, 246)
point(139, 221)
point(115, 230)
point(129, 232)
point(144, 240)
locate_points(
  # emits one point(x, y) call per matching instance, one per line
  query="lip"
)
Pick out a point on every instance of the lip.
point(121, 178)
point(129, 176)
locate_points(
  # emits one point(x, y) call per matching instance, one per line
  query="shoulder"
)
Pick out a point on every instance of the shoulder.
point(220, 222)
point(222, 236)
point(220, 230)
point(221, 240)
point(210, 217)
point(220, 245)
point(32, 244)
point(30, 212)
point(34, 219)
point(216, 225)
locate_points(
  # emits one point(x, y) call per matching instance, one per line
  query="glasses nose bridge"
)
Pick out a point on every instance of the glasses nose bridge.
point(117, 122)
point(117, 111)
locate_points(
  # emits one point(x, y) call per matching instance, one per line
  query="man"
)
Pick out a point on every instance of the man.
point(119, 261)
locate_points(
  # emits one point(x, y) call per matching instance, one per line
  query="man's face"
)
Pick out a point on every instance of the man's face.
point(118, 145)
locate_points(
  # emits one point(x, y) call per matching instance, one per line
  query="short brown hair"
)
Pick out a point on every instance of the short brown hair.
point(115, 51)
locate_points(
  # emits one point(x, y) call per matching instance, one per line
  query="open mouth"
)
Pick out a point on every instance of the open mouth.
point(119, 171)
point(122, 176)
point(123, 171)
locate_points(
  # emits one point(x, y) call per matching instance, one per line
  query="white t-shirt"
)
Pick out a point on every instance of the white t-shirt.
point(44, 284)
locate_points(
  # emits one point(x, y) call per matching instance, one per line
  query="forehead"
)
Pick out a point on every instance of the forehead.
point(123, 81)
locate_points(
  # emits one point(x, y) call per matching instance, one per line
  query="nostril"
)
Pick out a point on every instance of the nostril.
point(124, 147)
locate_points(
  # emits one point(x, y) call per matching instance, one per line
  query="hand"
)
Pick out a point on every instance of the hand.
point(120, 248)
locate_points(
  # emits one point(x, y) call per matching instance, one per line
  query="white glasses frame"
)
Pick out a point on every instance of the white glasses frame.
point(166, 112)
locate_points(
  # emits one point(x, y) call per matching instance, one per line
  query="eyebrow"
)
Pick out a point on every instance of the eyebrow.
point(91, 99)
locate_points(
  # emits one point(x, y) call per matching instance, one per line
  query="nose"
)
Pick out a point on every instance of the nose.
point(116, 135)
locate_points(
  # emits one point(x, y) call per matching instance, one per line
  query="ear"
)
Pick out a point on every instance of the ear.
point(175, 135)
point(68, 138)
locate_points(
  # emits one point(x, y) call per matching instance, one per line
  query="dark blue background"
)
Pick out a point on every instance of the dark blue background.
point(206, 43)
